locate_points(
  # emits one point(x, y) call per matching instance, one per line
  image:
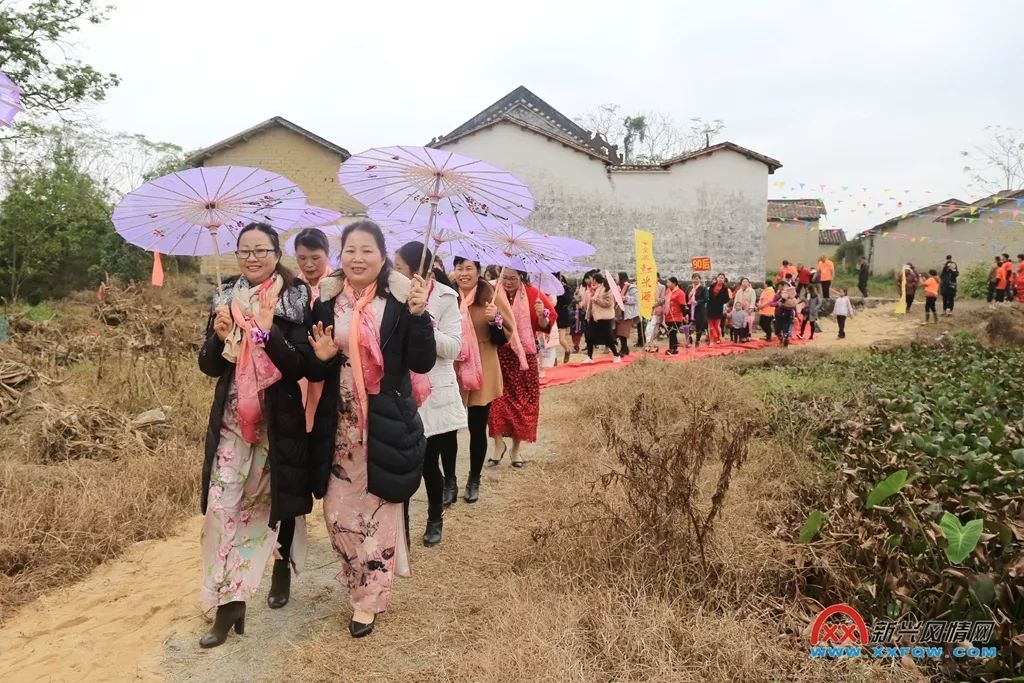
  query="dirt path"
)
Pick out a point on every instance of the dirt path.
point(138, 619)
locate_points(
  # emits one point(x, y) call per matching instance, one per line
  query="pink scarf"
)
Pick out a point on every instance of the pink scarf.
point(519, 343)
point(468, 366)
point(312, 391)
point(254, 370)
point(364, 351)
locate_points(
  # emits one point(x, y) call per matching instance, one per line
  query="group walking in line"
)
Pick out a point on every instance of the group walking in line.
point(351, 387)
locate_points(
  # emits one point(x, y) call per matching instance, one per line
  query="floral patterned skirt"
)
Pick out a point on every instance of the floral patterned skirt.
point(236, 539)
point(368, 532)
point(516, 412)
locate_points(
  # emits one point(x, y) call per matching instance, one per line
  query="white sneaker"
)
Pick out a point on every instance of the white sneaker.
point(588, 360)
point(618, 359)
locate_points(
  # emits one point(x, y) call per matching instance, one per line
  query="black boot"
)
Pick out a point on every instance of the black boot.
point(450, 492)
point(359, 629)
point(472, 490)
point(280, 585)
point(432, 536)
point(231, 614)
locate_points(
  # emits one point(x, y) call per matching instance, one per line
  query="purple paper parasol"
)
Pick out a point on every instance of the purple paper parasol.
point(200, 211)
point(418, 184)
point(316, 217)
point(446, 239)
point(10, 100)
point(532, 252)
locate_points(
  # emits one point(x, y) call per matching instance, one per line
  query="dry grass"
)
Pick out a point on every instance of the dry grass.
point(588, 604)
point(101, 438)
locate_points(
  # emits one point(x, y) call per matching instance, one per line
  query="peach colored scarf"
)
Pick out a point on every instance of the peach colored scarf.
point(364, 350)
point(312, 391)
point(468, 366)
point(519, 345)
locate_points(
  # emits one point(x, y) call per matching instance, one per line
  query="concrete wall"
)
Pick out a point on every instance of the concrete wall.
point(978, 241)
point(794, 242)
point(711, 206)
point(312, 166)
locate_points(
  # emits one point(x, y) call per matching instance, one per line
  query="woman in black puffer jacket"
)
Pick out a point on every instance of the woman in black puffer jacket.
point(371, 332)
point(256, 476)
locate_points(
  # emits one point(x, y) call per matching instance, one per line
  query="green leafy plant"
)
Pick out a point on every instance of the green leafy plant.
point(950, 416)
point(962, 538)
point(889, 486)
point(812, 526)
point(973, 282)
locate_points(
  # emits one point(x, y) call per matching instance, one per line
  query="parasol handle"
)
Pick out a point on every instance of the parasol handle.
point(434, 198)
point(216, 258)
point(497, 284)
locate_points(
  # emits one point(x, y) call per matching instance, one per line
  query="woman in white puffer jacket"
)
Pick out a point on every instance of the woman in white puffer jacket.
point(442, 412)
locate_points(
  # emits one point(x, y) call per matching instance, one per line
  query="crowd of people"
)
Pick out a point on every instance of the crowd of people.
point(350, 386)
point(700, 309)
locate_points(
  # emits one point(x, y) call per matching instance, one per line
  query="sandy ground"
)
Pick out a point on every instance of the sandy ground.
point(138, 618)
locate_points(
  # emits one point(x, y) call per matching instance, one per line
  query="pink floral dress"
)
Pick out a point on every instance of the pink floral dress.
point(236, 539)
point(368, 532)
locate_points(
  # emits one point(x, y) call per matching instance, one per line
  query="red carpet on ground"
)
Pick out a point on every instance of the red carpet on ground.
point(565, 374)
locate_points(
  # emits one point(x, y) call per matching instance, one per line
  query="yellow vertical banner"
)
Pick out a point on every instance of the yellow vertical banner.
point(646, 272)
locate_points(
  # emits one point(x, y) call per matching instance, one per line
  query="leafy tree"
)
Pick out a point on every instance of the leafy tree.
point(997, 164)
point(35, 52)
point(636, 129)
point(53, 222)
point(849, 252)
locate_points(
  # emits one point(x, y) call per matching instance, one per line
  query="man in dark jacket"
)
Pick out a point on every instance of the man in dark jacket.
point(863, 272)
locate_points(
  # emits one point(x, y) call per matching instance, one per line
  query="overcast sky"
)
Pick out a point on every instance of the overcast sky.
point(876, 95)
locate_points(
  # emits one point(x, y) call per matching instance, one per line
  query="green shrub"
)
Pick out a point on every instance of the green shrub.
point(973, 282)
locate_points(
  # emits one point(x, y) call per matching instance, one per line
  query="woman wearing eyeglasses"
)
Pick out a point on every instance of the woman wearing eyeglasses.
point(257, 347)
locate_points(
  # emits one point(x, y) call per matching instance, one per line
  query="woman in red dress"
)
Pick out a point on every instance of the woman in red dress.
point(515, 413)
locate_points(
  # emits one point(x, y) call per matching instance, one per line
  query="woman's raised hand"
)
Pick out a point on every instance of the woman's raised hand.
point(491, 312)
point(322, 341)
point(222, 323)
point(268, 302)
point(417, 295)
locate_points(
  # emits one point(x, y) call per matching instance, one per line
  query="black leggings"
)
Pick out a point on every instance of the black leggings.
point(910, 300)
point(285, 535)
point(803, 326)
point(948, 298)
point(929, 305)
point(601, 332)
point(477, 439)
point(766, 322)
point(443, 447)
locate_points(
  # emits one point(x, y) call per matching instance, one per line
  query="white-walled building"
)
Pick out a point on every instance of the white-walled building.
point(706, 203)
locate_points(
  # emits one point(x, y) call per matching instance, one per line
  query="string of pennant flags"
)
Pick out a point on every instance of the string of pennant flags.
point(910, 237)
point(1003, 211)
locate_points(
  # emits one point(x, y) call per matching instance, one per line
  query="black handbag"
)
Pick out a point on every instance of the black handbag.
point(498, 337)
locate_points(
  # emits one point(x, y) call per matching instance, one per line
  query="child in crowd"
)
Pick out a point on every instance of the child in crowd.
point(738, 329)
point(812, 305)
point(931, 294)
point(577, 320)
point(842, 310)
point(785, 313)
